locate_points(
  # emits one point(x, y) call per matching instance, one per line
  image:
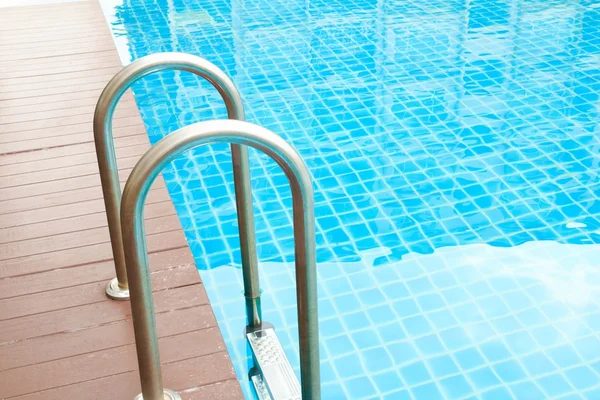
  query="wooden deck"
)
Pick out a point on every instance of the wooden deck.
point(60, 337)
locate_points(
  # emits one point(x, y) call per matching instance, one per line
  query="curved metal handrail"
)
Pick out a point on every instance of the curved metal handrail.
point(103, 137)
point(136, 254)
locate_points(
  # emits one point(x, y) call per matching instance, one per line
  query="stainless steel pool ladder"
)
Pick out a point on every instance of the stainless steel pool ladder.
point(274, 374)
point(276, 379)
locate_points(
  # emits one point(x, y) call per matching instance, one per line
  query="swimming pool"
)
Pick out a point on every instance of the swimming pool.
point(454, 151)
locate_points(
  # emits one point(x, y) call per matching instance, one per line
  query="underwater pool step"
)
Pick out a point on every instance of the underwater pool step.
point(275, 379)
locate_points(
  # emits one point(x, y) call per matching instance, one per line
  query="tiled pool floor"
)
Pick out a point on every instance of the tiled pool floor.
point(454, 151)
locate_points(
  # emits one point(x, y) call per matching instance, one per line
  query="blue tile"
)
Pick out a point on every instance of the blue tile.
point(455, 295)
point(469, 358)
point(387, 382)
point(371, 297)
point(416, 326)
point(406, 308)
point(429, 345)
point(495, 351)
point(427, 391)
point(360, 387)
point(391, 332)
point(331, 327)
point(509, 371)
point(349, 365)
point(395, 290)
point(537, 364)
point(582, 377)
point(442, 366)
point(483, 378)
point(377, 359)
point(429, 302)
point(592, 394)
point(333, 390)
point(398, 395)
point(402, 352)
point(362, 281)
point(365, 339)
point(327, 372)
point(588, 348)
point(500, 393)
point(526, 391)
point(564, 356)
point(547, 336)
point(355, 321)
point(339, 345)
point(554, 385)
point(382, 314)
point(415, 373)
point(520, 342)
point(455, 387)
point(442, 319)
point(337, 286)
point(347, 303)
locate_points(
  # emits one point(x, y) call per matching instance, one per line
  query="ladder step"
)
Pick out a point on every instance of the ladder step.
point(277, 379)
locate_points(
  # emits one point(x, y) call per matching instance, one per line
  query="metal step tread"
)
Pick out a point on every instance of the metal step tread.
point(278, 377)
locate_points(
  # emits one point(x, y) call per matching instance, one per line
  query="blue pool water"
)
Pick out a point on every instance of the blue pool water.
point(454, 147)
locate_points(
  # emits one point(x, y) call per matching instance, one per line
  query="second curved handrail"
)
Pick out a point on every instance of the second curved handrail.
point(134, 236)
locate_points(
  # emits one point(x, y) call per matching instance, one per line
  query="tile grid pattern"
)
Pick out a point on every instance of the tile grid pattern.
point(426, 125)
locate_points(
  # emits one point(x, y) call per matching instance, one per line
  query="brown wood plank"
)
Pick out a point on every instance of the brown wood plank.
point(55, 142)
point(65, 59)
point(121, 128)
point(49, 121)
point(73, 144)
point(90, 315)
point(22, 85)
point(98, 338)
point(67, 161)
point(35, 43)
point(25, 41)
point(66, 87)
point(53, 300)
point(20, 106)
point(61, 77)
point(41, 54)
point(48, 242)
point(226, 390)
point(57, 174)
point(64, 205)
point(33, 50)
point(121, 360)
point(10, 115)
point(42, 23)
point(175, 375)
point(35, 139)
point(122, 146)
point(61, 185)
point(83, 255)
point(161, 220)
point(89, 273)
point(89, 96)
